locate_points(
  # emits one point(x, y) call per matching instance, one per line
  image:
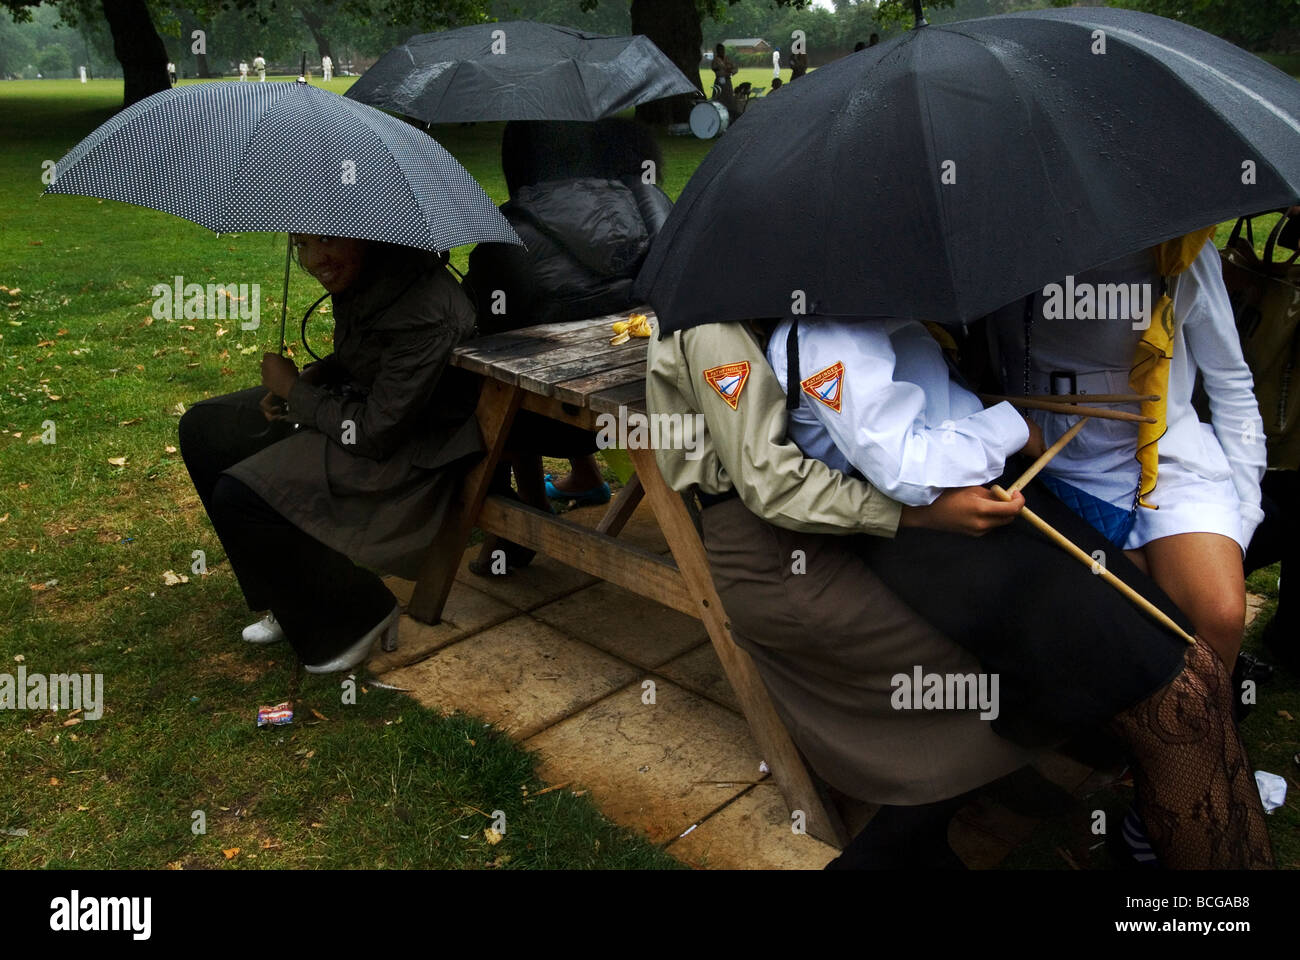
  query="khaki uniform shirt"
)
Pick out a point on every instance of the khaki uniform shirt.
point(720, 371)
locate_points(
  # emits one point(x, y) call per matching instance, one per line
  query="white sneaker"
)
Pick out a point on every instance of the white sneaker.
point(264, 631)
point(359, 651)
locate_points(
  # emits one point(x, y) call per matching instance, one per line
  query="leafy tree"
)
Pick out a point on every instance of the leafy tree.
point(54, 62)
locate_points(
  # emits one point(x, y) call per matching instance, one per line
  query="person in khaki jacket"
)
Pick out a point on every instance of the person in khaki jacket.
point(825, 634)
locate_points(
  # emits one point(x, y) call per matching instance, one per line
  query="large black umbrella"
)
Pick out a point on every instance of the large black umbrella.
point(957, 168)
point(518, 71)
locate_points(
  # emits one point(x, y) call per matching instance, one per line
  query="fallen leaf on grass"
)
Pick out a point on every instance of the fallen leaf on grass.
point(54, 781)
point(269, 844)
point(318, 715)
point(130, 423)
point(82, 809)
point(492, 837)
point(4, 518)
point(231, 853)
point(171, 578)
point(169, 449)
point(117, 461)
point(147, 322)
point(72, 723)
point(1285, 715)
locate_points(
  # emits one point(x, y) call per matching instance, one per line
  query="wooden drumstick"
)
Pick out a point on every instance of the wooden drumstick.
point(1050, 452)
point(1069, 409)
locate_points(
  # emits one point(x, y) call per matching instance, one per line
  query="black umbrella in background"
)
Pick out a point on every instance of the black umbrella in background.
point(957, 168)
point(518, 71)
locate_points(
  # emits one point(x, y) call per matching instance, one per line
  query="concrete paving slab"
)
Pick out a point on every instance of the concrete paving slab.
point(467, 611)
point(700, 672)
point(540, 582)
point(659, 768)
point(522, 676)
point(633, 628)
point(753, 832)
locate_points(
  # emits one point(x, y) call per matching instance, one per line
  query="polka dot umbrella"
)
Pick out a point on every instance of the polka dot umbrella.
point(237, 157)
point(283, 157)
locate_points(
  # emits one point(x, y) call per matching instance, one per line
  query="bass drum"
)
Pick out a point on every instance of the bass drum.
point(709, 119)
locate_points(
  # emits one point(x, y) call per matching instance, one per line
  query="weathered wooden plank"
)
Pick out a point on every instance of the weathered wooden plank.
point(628, 566)
point(769, 732)
point(630, 395)
point(621, 509)
point(564, 412)
point(596, 381)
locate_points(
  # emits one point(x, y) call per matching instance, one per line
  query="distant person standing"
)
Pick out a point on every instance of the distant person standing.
point(259, 64)
point(798, 64)
point(722, 73)
point(171, 73)
point(327, 68)
point(83, 74)
point(776, 64)
point(243, 70)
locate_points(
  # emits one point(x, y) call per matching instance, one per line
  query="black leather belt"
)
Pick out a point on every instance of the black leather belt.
point(713, 499)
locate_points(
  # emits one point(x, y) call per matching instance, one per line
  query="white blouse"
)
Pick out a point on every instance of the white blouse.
point(876, 395)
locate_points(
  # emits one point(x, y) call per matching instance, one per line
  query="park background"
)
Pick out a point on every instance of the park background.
point(97, 529)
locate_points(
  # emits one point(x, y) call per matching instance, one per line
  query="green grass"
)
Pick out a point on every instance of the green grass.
point(382, 783)
point(85, 543)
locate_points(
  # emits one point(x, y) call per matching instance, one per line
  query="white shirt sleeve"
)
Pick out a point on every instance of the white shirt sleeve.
point(902, 422)
point(1215, 349)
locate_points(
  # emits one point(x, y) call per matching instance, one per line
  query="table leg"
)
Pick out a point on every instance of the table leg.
point(497, 405)
point(765, 725)
point(620, 511)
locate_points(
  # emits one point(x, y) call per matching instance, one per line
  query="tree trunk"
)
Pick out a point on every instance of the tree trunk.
point(138, 48)
point(674, 26)
point(316, 24)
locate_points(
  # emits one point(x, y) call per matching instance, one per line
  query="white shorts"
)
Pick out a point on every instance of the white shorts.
point(1189, 503)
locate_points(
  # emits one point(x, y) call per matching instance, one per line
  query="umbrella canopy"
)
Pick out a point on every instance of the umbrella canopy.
point(283, 157)
point(957, 168)
point(518, 71)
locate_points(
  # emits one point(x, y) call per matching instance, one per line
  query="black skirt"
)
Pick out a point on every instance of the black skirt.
point(1070, 651)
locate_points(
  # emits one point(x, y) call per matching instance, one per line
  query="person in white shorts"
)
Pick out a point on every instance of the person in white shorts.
point(259, 64)
point(1205, 505)
point(326, 68)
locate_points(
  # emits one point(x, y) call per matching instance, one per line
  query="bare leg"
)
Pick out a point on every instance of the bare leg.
point(584, 475)
point(1195, 790)
point(1202, 573)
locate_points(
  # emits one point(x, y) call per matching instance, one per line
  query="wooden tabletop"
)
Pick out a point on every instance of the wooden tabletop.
point(572, 362)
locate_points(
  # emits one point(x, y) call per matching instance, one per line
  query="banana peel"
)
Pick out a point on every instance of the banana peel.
point(637, 325)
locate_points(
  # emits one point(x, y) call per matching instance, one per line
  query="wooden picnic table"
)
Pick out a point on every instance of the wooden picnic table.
point(569, 372)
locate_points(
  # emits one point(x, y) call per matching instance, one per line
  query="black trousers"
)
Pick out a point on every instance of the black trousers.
point(323, 601)
point(1278, 538)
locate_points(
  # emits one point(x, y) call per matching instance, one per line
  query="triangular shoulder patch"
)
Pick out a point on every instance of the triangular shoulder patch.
point(728, 379)
point(827, 386)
